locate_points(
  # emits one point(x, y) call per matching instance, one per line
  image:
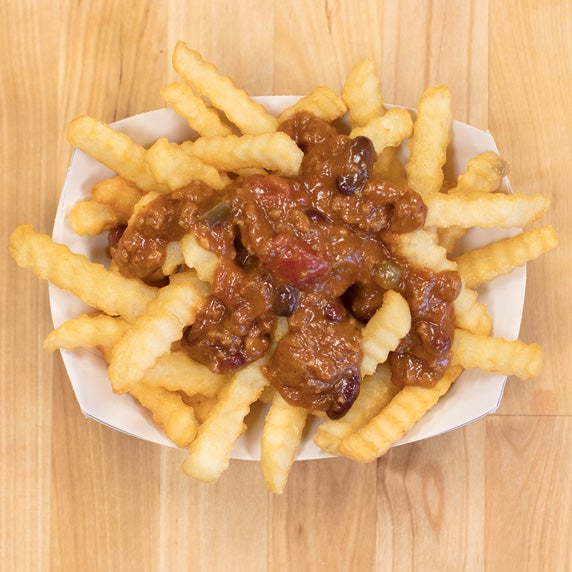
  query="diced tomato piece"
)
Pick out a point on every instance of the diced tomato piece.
point(292, 260)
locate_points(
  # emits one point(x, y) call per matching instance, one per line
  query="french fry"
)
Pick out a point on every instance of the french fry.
point(428, 145)
point(388, 130)
point(201, 259)
point(117, 193)
point(502, 257)
point(362, 93)
point(201, 405)
point(93, 283)
point(176, 371)
point(106, 350)
point(152, 334)
point(376, 392)
point(92, 218)
point(176, 419)
point(204, 120)
point(450, 236)
point(250, 117)
point(250, 171)
point(268, 394)
point(173, 258)
point(470, 314)
point(388, 167)
point(384, 331)
point(322, 102)
point(403, 411)
point(86, 331)
point(172, 166)
point(270, 151)
point(484, 210)
point(280, 439)
point(484, 174)
point(420, 248)
point(114, 149)
point(209, 453)
point(496, 355)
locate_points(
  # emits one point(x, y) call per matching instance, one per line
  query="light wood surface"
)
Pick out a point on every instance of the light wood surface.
point(75, 495)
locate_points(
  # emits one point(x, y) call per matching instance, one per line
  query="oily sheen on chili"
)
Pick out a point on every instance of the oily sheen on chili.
point(316, 249)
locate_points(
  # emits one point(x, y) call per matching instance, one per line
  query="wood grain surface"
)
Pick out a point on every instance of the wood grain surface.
point(76, 495)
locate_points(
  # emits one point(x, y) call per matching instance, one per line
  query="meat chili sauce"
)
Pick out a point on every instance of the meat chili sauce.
point(315, 248)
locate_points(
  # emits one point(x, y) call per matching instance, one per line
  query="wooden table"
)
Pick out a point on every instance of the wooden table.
point(76, 495)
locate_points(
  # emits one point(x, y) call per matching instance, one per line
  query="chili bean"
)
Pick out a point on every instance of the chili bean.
point(285, 300)
point(358, 165)
point(347, 391)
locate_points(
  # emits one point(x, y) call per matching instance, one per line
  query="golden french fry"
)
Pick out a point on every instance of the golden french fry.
point(502, 257)
point(251, 171)
point(484, 174)
point(173, 258)
point(362, 93)
point(106, 353)
point(176, 419)
point(388, 167)
point(420, 248)
point(249, 116)
point(496, 355)
point(201, 259)
point(376, 391)
point(270, 151)
point(204, 120)
point(387, 130)
point(428, 145)
point(118, 193)
point(92, 218)
point(471, 314)
point(484, 210)
point(93, 283)
point(114, 149)
point(450, 236)
point(152, 334)
point(281, 436)
point(322, 102)
point(384, 331)
point(201, 404)
point(176, 371)
point(172, 166)
point(86, 332)
point(209, 453)
point(403, 411)
point(268, 394)
point(280, 331)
